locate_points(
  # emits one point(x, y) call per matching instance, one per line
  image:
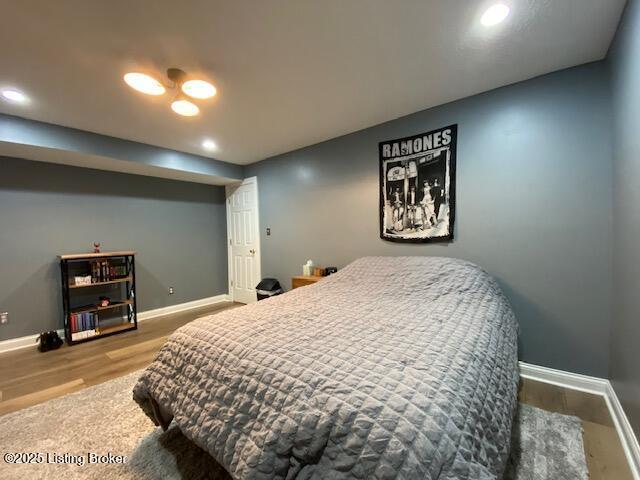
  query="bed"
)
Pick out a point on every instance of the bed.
point(394, 367)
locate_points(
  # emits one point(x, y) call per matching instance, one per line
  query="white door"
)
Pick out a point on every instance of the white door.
point(243, 233)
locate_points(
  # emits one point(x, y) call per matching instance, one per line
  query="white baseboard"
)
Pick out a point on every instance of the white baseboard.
point(574, 381)
point(625, 431)
point(30, 340)
point(182, 307)
point(21, 342)
point(597, 386)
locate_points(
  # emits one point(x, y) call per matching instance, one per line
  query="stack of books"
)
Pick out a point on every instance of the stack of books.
point(101, 271)
point(83, 325)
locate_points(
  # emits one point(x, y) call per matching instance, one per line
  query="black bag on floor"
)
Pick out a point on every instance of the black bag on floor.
point(49, 341)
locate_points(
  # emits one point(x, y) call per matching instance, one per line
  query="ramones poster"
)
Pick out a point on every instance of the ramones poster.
point(417, 187)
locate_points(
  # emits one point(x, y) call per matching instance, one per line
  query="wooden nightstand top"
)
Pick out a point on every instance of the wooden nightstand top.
point(302, 280)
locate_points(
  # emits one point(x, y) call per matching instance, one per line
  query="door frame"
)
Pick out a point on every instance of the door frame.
point(227, 201)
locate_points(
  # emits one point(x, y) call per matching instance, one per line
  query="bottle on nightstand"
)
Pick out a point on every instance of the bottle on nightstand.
point(307, 268)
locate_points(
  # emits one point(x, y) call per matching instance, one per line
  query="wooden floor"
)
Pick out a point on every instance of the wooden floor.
point(28, 377)
point(603, 450)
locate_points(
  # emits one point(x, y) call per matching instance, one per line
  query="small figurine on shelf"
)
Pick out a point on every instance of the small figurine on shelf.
point(96, 247)
point(104, 301)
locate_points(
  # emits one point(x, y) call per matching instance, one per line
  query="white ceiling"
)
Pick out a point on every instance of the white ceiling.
point(289, 73)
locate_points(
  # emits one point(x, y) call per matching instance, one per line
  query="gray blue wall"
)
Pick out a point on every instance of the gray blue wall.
point(624, 60)
point(178, 228)
point(533, 208)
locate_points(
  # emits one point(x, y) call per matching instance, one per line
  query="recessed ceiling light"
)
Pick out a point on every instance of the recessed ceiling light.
point(209, 144)
point(185, 108)
point(144, 83)
point(495, 14)
point(198, 89)
point(14, 95)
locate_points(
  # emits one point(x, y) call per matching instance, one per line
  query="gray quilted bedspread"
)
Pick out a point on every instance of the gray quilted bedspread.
point(395, 367)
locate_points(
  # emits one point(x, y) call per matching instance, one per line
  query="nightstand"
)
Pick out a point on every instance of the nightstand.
point(302, 280)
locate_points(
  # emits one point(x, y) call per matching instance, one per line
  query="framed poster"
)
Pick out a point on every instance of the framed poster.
point(418, 186)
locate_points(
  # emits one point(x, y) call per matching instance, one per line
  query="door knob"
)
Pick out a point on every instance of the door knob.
point(252, 252)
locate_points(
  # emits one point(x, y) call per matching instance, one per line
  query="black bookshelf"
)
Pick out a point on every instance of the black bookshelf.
point(109, 272)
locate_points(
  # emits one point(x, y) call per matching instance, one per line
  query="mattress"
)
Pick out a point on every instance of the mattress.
point(394, 367)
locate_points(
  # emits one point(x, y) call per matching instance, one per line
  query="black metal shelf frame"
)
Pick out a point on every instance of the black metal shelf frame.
point(130, 292)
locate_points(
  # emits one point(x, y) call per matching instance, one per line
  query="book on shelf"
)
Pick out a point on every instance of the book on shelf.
point(103, 271)
point(84, 334)
point(83, 325)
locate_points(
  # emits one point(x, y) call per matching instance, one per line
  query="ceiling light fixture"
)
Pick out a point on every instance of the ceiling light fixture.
point(144, 83)
point(15, 96)
point(209, 144)
point(179, 82)
point(184, 107)
point(198, 89)
point(495, 14)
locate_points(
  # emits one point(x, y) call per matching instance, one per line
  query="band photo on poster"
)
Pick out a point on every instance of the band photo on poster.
point(417, 187)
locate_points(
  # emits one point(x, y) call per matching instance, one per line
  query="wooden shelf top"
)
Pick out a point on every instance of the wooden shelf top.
point(97, 284)
point(116, 328)
point(311, 278)
point(81, 256)
point(97, 308)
